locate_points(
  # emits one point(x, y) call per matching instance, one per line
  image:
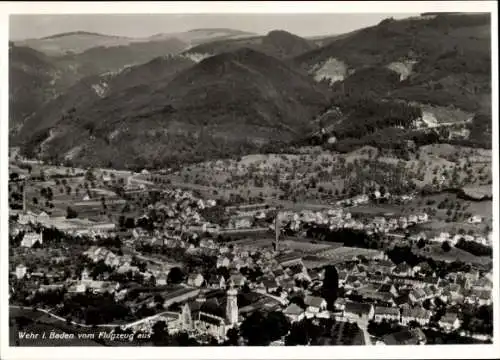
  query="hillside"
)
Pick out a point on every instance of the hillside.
point(77, 42)
point(95, 87)
point(73, 42)
point(199, 36)
point(36, 78)
point(277, 43)
point(225, 105)
point(435, 64)
point(99, 60)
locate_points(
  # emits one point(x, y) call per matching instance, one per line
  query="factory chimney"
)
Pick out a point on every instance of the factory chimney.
point(276, 232)
point(24, 197)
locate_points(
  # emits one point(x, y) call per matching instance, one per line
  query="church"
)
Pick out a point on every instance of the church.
point(208, 316)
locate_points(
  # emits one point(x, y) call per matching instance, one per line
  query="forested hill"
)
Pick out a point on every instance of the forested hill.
point(438, 65)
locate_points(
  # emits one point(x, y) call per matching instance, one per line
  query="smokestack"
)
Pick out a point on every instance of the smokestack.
point(276, 232)
point(24, 197)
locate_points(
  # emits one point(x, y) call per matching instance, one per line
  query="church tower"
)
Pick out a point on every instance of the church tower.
point(232, 305)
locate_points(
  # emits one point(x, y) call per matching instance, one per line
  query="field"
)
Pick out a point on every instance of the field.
point(440, 221)
point(338, 255)
point(314, 174)
point(434, 251)
point(307, 246)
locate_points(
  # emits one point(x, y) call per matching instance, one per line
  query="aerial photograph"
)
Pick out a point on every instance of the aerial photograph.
point(250, 180)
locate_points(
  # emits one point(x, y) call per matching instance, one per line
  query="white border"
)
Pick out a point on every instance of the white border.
point(352, 352)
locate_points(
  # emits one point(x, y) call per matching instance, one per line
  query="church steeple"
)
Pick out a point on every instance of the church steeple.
point(232, 305)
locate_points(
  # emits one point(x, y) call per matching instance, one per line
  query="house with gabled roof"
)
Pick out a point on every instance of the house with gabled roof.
point(216, 282)
point(315, 304)
point(449, 321)
point(238, 280)
point(385, 313)
point(384, 266)
point(403, 269)
point(358, 312)
point(270, 284)
point(161, 280)
point(288, 285)
point(223, 261)
point(279, 274)
point(294, 312)
point(418, 314)
point(418, 295)
point(378, 278)
point(388, 288)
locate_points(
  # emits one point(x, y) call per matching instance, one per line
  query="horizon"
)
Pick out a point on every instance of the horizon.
point(29, 27)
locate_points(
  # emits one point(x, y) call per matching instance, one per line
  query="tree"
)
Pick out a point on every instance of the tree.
point(130, 223)
point(175, 276)
point(159, 335)
point(121, 221)
point(71, 213)
point(421, 243)
point(277, 325)
point(330, 286)
point(301, 333)
point(446, 246)
point(233, 335)
point(253, 330)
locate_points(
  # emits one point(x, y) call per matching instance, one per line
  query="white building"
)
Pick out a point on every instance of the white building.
point(476, 219)
point(31, 239)
point(21, 271)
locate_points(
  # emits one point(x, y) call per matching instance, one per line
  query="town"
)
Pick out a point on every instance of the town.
point(103, 250)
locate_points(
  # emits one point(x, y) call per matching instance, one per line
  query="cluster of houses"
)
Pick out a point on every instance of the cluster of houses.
point(338, 218)
point(373, 288)
point(28, 220)
point(364, 199)
point(454, 239)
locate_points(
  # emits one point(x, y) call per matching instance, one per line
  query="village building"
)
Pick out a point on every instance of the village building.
point(403, 269)
point(449, 322)
point(315, 304)
point(195, 280)
point(418, 314)
point(384, 313)
point(294, 312)
point(216, 282)
point(359, 313)
point(21, 271)
point(31, 238)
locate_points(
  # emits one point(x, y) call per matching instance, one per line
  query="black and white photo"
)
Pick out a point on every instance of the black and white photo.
point(212, 179)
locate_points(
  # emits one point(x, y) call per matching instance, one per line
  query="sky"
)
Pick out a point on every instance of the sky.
point(143, 25)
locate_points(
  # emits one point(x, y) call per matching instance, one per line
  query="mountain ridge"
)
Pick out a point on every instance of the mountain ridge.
point(224, 104)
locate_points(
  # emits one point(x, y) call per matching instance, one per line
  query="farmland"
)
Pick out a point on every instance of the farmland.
point(314, 174)
point(437, 253)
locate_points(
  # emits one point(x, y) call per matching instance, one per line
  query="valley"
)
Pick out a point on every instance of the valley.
point(217, 186)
